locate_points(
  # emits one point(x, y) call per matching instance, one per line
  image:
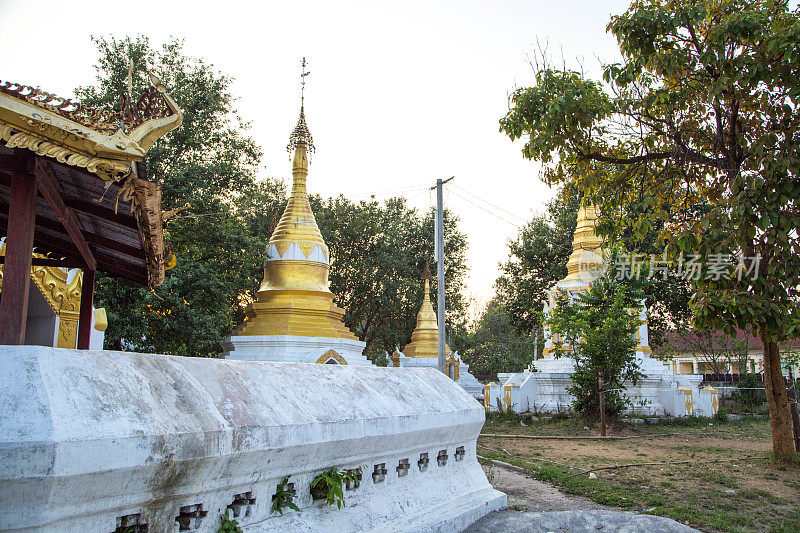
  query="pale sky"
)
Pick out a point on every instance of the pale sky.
point(400, 92)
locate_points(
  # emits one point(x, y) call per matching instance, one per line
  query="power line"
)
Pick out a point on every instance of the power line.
point(490, 204)
point(484, 209)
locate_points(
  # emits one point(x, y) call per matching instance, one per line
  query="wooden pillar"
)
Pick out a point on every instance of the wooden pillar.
point(85, 317)
point(19, 251)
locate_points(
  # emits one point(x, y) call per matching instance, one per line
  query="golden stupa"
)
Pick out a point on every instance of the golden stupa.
point(425, 338)
point(586, 257)
point(294, 298)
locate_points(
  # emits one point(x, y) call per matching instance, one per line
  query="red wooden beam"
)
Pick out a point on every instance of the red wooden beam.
point(51, 191)
point(90, 208)
point(97, 210)
point(106, 263)
point(85, 315)
point(91, 238)
point(19, 250)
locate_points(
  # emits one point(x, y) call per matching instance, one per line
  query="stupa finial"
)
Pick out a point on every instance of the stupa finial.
point(426, 272)
point(300, 134)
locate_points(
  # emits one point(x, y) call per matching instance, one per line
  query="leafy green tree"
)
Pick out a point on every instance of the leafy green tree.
point(538, 259)
point(378, 252)
point(700, 123)
point(208, 163)
point(495, 345)
point(598, 327)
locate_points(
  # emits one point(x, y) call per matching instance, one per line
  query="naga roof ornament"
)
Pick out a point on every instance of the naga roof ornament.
point(101, 141)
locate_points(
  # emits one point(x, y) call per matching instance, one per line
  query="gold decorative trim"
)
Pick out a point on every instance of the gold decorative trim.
point(331, 354)
point(63, 298)
point(104, 143)
point(452, 362)
point(107, 169)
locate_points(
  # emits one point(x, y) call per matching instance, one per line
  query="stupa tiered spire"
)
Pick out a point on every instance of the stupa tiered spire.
point(294, 297)
point(425, 338)
point(584, 240)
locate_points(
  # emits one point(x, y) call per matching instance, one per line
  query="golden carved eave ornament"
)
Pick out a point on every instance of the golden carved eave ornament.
point(102, 142)
point(62, 296)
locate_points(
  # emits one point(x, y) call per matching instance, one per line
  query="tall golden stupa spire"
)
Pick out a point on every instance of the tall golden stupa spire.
point(294, 297)
point(425, 338)
point(585, 256)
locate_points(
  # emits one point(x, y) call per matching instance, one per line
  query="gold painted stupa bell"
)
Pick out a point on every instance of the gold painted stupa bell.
point(294, 298)
point(425, 338)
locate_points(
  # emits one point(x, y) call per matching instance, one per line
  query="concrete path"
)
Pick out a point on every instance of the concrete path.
point(579, 521)
point(536, 507)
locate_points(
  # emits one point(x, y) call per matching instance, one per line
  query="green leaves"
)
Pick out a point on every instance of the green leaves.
point(561, 109)
point(378, 253)
point(328, 485)
point(283, 498)
point(210, 164)
point(596, 329)
point(703, 119)
point(228, 524)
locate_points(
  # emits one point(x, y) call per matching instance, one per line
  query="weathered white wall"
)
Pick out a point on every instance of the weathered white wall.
point(87, 437)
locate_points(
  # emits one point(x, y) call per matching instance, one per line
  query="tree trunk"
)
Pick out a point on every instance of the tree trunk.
point(777, 400)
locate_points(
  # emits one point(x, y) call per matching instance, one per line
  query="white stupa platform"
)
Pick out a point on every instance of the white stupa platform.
point(658, 393)
point(295, 349)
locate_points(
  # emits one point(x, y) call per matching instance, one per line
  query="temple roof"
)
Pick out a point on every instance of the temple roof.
point(88, 159)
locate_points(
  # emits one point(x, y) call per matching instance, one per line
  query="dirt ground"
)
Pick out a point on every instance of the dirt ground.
point(528, 494)
point(741, 491)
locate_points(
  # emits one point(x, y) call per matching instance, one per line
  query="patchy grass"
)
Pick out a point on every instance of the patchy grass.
point(735, 495)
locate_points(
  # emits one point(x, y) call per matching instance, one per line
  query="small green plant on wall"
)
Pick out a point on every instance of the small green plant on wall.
point(328, 485)
point(283, 497)
point(228, 524)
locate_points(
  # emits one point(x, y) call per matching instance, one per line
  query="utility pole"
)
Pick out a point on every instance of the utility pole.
point(602, 391)
point(440, 271)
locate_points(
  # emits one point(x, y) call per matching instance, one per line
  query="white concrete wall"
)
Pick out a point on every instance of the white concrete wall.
point(87, 437)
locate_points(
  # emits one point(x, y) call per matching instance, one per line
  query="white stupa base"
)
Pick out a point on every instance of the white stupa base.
point(295, 349)
point(467, 381)
point(545, 390)
point(647, 365)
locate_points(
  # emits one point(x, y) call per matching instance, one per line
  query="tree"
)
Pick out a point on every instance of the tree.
point(715, 349)
point(699, 121)
point(208, 164)
point(598, 326)
point(537, 259)
point(378, 252)
point(495, 346)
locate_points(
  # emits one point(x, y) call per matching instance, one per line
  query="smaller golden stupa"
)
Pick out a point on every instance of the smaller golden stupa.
point(425, 338)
